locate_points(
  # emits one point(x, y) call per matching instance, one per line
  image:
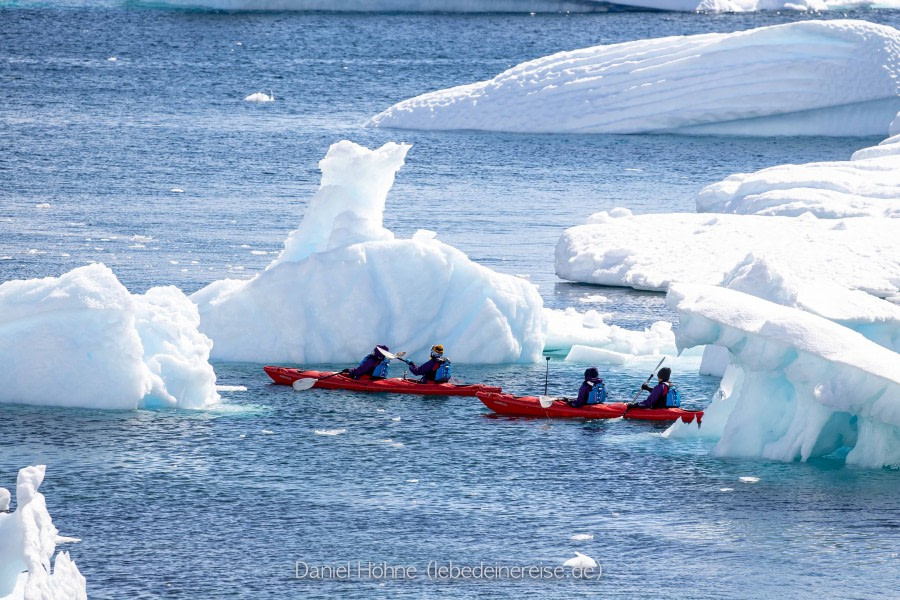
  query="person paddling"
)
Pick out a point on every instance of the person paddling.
point(658, 397)
point(435, 370)
point(592, 391)
point(375, 365)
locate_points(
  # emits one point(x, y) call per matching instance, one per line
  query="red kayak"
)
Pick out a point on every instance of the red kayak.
point(530, 406)
point(287, 376)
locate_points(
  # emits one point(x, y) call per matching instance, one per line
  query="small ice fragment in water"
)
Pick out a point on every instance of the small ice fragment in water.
point(582, 537)
point(61, 539)
point(112, 59)
point(231, 388)
point(395, 419)
point(258, 252)
point(412, 481)
point(634, 170)
point(42, 205)
point(581, 561)
point(268, 432)
point(260, 97)
point(726, 489)
point(330, 431)
point(615, 514)
point(177, 191)
point(594, 299)
point(379, 410)
point(749, 479)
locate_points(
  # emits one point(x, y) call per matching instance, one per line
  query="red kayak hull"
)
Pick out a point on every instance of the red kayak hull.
point(287, 376)
point(530, 406)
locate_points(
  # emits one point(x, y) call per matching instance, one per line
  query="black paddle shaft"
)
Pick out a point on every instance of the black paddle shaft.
point(546, 374)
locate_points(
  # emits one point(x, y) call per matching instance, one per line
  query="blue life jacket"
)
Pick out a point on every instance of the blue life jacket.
point(597, 395)
point(381, 370)
point(442, 374)
point(673, 397)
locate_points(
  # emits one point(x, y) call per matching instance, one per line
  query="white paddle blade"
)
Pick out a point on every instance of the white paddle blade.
point(546, 401)
point(303, 384)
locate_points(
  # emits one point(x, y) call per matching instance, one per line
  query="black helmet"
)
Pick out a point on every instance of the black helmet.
point(664, 374)
point(591, 373)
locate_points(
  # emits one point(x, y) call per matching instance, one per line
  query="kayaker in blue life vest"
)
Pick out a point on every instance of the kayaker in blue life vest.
point(657, 397)
point(435, 370)
point(592, 391)
point(375, 365)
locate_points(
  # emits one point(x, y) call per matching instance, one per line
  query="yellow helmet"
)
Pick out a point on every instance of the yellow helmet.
point(437, 350)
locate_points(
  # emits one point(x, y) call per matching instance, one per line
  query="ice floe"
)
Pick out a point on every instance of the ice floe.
point(866, 185)
point(835, 77)
point(581, 561)
point(28, 540)
point(260, 97)
point(800, 385)
point(650, 251)
point(83, 340)
point(343, 283)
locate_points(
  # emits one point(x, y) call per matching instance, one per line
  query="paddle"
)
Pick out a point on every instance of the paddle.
point(308, 382)
point(648, 379)
point(545, 400)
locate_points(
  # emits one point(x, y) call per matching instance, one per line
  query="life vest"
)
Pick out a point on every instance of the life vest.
point(381, 370)
point(597, 395)
point(673, 397)
point(442, 373)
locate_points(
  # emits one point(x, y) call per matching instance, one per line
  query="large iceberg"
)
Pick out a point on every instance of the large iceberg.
point(27, 542)
point(518, 6)
point(866, 185)
point(343, 283)
point(801, 386)
point(835, 78)
point(83, 340)
point(650, 251)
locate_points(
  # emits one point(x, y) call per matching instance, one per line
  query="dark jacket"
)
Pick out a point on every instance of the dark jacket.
point(427, 370)
point(657, 397)
point(584, 391)
point(366, 367)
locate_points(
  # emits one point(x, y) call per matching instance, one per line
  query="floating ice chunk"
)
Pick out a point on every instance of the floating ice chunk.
point(358, 286)
point(726, 489)
point(582, 537)
point(804, 386)
point(412, 481)
point(260, 97)
point(42, 205)
point(866, 185)
point(836, 77)
point(28, 543)
point(176, 190)
point(112, 349)
point(568, 328)
point(330, 431)
point(395, 418)
point(270, 432)
point(702, 248)
point(231, 388)
point(748, 479)
point(581, 561)
point(594, 299)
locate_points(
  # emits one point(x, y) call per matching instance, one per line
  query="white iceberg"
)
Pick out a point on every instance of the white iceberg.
point(83, 340)
point(866, 185)
point(27, 542)
point(836, 78)
point(343, 283)
point(650, 251)
point(260, 97)
point(801, 386)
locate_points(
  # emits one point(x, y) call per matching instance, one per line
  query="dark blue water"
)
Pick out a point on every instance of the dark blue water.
point(207, 505)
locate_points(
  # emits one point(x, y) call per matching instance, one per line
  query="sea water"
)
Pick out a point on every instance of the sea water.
point(126, 139)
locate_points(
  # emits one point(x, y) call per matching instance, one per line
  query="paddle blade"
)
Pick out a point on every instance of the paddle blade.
point(303, 384)
point(546, 401)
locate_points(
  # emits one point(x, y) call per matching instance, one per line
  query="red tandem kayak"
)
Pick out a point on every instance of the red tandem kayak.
point(287, 376)
point(530, 406)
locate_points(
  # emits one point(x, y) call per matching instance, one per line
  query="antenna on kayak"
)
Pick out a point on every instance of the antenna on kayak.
point(546, 374)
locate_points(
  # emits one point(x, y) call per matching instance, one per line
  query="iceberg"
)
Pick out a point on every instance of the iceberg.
point(867, 185)
point(28, 542)
point(650, 251)
point(800, 385)
point(82, 340)
point(833, 78)
point(344, 283)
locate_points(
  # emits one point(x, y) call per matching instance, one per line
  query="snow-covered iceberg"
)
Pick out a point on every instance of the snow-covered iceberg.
point(83, 340)
point(343, 283)
point(833, 78)
point(801, 386)
point(586, 337)
point(866, 185)
point(513, 6)
point(650, 251)
point(27, 542)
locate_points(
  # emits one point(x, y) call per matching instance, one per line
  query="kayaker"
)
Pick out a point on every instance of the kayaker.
point(435, 370)
point(375, 365)
point(592, 391)
point(657, 397)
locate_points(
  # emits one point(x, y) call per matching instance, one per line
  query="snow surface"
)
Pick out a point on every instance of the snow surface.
point(343, 283)
point(83, 340)
point(801, 386)
point(836, 78)
point(866, 185)
point(520, 6)
point(650, 251)
point(28, 542)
